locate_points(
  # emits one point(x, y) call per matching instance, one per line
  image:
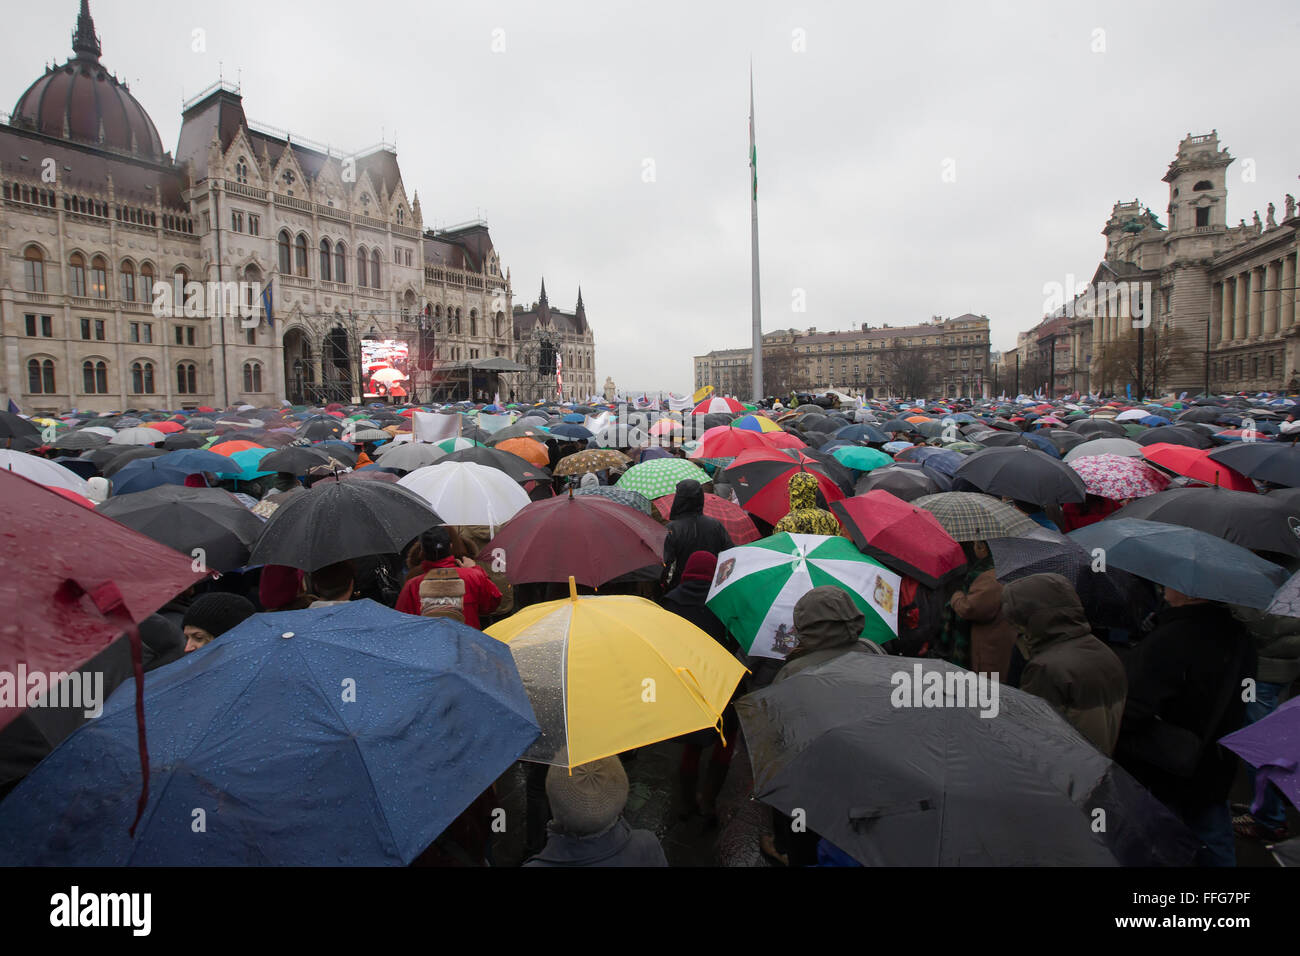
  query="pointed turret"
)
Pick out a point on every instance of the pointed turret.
point(541, 301)
point(84, 42)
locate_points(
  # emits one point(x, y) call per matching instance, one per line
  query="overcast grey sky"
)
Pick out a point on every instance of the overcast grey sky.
point(548, 138)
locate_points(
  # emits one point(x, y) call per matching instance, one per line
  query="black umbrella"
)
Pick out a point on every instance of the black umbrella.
point(1173, 435)
point(296, 459)
point(992, 439)
point(1113, 599)
point(181, 440)
point(1257, 522)
point(898, 425)
point(186, 519)
point(1092, 427)
point(1025, 474)
point(339, 520)
point(15, 426)
point(321, 428)
point(1201, 413)
point(905, 480)
point(834, 469)
point(1064, 439)
point(118, 461)
point(518, 431)
point(901, 784)
point(79, 441)
point(519, 469)
point(1277, 462)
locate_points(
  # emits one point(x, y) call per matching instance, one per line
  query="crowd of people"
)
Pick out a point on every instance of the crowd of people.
point(1151, 672)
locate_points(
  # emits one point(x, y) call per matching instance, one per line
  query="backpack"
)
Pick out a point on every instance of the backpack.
point(442, 594)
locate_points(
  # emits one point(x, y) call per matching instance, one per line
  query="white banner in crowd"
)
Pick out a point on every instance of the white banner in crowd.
point(679, 403)
point(431, 427)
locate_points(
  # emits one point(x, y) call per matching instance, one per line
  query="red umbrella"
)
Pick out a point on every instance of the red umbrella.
point(761, 477)
point(590, 538)
point(739, 525)
point(74, 582)
point(166, 426)
point(1196, 463)
point(907, 539)
point(782, 440)
point(727, 441)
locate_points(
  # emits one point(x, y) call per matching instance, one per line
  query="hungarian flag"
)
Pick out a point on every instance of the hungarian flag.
point(753, 150)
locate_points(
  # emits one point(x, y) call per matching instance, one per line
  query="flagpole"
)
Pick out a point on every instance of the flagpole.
point(757, 361)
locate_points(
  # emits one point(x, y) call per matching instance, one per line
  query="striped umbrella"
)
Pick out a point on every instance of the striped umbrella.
point(718, 404)
point(756, 587)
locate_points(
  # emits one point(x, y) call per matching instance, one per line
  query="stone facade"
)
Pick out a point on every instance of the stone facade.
point(1224, 296)
point(92, 223)
point(858, 361)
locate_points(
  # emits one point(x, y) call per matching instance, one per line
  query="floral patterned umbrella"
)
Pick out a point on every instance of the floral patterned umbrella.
point(1117, 477)
point(593, 459)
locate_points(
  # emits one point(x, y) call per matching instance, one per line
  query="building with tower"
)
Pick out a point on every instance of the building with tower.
point(1215, 302)
point(549, 340)
point(95, 215)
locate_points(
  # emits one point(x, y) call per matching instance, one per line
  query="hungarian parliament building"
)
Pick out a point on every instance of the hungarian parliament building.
point(335, 264)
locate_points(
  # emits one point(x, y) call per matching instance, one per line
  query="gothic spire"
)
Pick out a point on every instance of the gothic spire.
point(542, 300)
point(84, 42)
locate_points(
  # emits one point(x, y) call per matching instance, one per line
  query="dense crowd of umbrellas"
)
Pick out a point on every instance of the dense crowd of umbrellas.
point(110, 516)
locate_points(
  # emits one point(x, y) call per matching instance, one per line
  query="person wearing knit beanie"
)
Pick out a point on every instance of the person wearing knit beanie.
point(700, 566)
point(587, 826)
point(211, 615)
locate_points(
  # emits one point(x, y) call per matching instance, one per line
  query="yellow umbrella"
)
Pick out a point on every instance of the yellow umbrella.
point(611, 673)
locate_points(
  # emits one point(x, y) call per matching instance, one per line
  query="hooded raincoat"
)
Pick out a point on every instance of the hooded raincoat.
point(805, 517)
point(690, 530)
point(828, 624)
point(1066, 665)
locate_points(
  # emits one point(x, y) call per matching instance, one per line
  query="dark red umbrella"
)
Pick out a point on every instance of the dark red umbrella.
point(739, 525)
point(74, 581)
point(590, 538)
point(761, 478)
point(907, 539)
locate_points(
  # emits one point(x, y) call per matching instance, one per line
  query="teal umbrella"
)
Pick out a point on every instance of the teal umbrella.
point(249, 462)
point(860, 458)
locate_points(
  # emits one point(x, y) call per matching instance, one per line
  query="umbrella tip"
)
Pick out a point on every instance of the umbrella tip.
point(573, 589)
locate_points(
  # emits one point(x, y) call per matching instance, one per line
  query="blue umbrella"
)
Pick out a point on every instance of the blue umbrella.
point(1153, 421)
point(350, 735)
point(1043, 442)
point(170, 469)
point(574, 418)
point(1194, 562)
point(862, 432)
point(575, 432)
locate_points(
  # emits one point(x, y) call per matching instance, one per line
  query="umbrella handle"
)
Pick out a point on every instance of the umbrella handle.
point(699, 691)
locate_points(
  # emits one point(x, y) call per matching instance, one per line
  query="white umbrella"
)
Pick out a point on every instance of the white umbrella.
point(137, 436)
point(467, 493)
point(43, 472)
point(1132, 415)
point(388, 375)
point(100, 430)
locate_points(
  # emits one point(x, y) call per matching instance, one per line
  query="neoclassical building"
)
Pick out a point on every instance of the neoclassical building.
point(1221, 297)
point(94, 214)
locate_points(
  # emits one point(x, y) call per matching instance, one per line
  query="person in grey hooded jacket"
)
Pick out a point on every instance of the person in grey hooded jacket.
point(828, 624)
point(1066, 665)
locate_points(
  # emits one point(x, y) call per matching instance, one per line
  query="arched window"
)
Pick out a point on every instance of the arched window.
point(252, 288)
point(1202, 185)
point(437, 312)
point(500, 324)
point(362, 265)
point(99, 277)
point(94, 377)
point(252, 377)
point(40, 377)
point(186, 378)
point(146, 283)
point(77, 275)
point(241, 170)
point(340, 263)
point(300, 255)
point(374, 269)
point(325, 259)
point(283, 243)
point(473, 322)
point(128, 282)
point(142, 378)
point(34, 269)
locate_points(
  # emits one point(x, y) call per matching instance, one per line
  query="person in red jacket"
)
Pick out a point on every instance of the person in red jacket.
point(481, 595)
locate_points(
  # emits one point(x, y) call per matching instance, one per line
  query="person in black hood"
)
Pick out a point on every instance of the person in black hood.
point(690, 530)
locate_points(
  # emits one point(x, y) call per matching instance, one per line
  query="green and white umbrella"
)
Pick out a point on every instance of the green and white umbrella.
point(450, 445)
point(757, 585)
point(659, 476)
